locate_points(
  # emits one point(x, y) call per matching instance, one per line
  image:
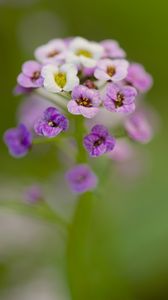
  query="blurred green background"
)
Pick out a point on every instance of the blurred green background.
point(118, 248)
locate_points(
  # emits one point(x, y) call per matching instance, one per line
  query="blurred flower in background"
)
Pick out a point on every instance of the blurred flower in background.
point(31, 109)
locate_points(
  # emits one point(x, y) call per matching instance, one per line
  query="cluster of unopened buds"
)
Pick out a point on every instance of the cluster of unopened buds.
point(96, 98)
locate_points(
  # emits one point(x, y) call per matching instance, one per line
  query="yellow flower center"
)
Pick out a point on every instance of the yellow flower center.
point(60, 79)
point(119, 100)
point(53, 53)
point(84, 52)
point(111, 70)
point(84, 102)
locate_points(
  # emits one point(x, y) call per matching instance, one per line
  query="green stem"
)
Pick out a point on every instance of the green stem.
point(121, 133)
point(57, 99)
point(40, 210)
point(43, 140)
point(77, 236)
point(60, 143)
point(79, 132)
point(57, 217)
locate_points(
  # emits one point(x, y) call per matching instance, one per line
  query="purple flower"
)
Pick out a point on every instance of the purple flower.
point(84, 102)
point(81, 179)
point(111, 70)
point(31, 109)
point(88, 72)
point(139, 128)
point(139, 78)
point(99, 141)
point(33, 194)
point(19, 90)
point(18, 140)
point(112, 49)
point(52, 52)
point(120, 98)
point(123, 151)
point(31, 75)
point(51, 123)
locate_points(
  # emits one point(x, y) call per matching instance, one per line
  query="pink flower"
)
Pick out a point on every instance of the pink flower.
point(81, 179)
point(120, 98)
point(31, 75)
point(123, 151)
point(139, 128)
point(53, 51)
point(139, 78)
point(112, 49)
point(111, 70)
point(84, 102)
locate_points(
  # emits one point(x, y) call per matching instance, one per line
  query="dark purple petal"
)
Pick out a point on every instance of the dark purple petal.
point(100, 130)
point(51, 123)
point(99, 141)
point(110, 143)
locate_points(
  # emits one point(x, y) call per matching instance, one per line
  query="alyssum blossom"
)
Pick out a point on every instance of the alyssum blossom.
point(112, 49)
point(18, 140)
point(58, 79)
point(120, 98)
point(99, 141)
point(30, 109)
point(31, 75)
point(81, 179)
point(52, 52)
point(84, 101)
point(51, 123)
point(87, 78)
point(83, 52)
point(111, 70)
point(139, 78)
point(123, 151)
point(139, 127)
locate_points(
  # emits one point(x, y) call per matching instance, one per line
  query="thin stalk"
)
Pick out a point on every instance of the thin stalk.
point(57, 99)
point(40, 210)
point(43, 140)
point(61, 144)
point(79, 132)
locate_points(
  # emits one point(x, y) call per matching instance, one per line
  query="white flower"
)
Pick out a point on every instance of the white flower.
point(58, 79)
point(53, 51)
point(83, 52)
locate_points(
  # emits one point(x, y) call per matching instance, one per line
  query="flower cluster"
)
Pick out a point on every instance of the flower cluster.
point(81, 77)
